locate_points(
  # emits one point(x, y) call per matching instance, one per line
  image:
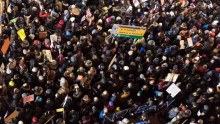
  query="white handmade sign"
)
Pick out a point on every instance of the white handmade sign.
point(173, 90)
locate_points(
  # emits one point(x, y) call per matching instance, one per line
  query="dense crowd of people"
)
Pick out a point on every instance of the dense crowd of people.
point(78, 78)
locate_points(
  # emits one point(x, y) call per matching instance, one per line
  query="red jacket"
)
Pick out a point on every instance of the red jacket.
point(43, 15)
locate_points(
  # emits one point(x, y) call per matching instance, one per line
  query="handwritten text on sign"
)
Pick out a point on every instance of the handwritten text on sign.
point(109, 118)
point(128, 30)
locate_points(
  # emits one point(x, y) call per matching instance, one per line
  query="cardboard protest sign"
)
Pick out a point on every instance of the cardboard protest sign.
point(28, 98)
point(47, 54)
point(173, 90)
point(171, 77)
point(190, 43)
point(5, 46)
point(113, 60)
point(2, 68)
point(42, 35)
point(11, 116)
point(9, 10)
point(21, 34)
point(53, 38)
point(60, 110)
point(182, 46)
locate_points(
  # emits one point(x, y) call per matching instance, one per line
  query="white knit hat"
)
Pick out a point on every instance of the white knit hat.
point(118, 18)
point(215, 23)
point(142, 76)
point(8, 71)
point(20, 122)
point(34, 69)
point(100, 21)
point(130, 52)
point(63, 82)
point(95, 99)
point(40, 77)
point(125, 120)
point(126, 68)
point(105, 92)
point(24, 51)
point(72, 19)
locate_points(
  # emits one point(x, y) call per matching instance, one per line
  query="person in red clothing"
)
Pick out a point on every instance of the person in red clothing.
point(59, 25)
point(44, 14)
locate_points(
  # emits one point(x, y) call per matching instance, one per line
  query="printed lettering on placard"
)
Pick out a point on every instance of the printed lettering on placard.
point(141, 109)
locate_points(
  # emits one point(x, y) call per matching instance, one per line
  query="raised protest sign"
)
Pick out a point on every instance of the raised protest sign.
point(112, 117)
point(28, 98)
point(60, 110)
point(112, 61)
point(182, 46)
point(128, 31)
point(42, 35)
point(2, 68)
point(47, 54)
point(190, 43)
point(11, 116)
point(21, 34)
point(171, 77)
point(173, 90)
point(5, 46)
point(13, 20)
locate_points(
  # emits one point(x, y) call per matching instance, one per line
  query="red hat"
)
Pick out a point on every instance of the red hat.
point(204, 56)
point(160, 84)
point(34, 119)
point(61, 22)
point(217, 70)
point(212, 34)
point(36, 42)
